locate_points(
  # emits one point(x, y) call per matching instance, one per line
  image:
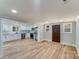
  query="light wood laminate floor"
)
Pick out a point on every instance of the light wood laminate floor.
point(29, 49)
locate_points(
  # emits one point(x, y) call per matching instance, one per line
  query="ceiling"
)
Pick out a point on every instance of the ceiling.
point(36, 11)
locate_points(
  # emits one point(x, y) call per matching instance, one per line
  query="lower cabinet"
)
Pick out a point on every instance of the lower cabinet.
point(11, 37)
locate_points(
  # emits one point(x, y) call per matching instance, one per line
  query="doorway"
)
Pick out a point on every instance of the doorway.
point(56, 33)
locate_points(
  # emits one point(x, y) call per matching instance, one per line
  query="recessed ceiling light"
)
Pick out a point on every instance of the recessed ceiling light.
point(61, 20)
point(14, 11)
point(78, 16)
point(46, 22)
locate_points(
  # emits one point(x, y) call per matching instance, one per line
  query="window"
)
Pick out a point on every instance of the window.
point(67, 28)
point(15, 28)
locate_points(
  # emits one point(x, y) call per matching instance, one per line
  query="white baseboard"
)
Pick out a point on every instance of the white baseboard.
point(48, 40)
point(77, 50)
point(39, 40)
point(68, 44)
point(44, 39)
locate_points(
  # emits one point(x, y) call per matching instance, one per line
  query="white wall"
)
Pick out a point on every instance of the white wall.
point(48, 34)
point(77, 35)
point(1, 44)
point(66, 38)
